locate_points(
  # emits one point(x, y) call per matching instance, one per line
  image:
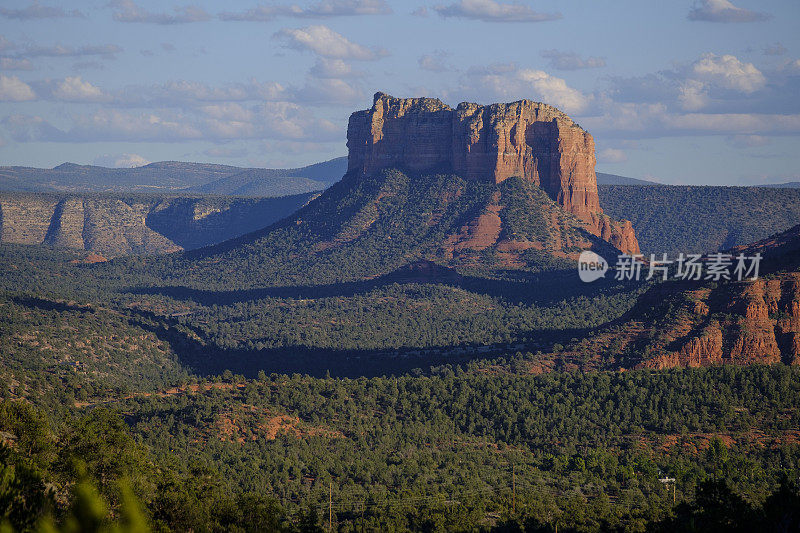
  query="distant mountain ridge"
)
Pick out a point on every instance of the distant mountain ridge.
point(701, 218)
point(615, 179)
point(171, 177)
point(787, 185)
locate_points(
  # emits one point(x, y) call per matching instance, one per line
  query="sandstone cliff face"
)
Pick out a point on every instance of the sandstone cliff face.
point(689, 324)
point(120, 225)
point(751, 322)
point(527, 139)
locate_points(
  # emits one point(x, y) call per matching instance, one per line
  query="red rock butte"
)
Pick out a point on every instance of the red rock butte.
point(530, 140)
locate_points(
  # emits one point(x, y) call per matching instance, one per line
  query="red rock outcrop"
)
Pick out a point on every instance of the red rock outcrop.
point(531, 140)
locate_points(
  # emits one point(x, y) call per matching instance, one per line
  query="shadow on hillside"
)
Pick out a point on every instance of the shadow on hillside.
point(50, 305)
point(543, 289)
point(209, 359)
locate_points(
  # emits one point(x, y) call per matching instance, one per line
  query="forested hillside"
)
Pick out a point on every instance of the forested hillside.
point(676, 218)
point(361, 229)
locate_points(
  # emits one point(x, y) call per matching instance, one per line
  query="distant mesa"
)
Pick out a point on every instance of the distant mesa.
point(526, 139)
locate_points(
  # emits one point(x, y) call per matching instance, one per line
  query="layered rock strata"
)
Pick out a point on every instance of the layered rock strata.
point(530, 140)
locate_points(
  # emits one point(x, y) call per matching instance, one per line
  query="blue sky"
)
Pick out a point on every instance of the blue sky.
point(686, 92)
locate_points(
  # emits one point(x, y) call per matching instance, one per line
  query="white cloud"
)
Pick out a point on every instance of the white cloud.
point(129, 11)
point(321, 9)
point(74, 89)
point(491, 11)
point(121, 161)
point(506, 82)
point(12, 89)
point(37, 11)
point(325, 42)
point(723, 11)
point(728, 72)
point(114, 125)
point(554, 90)
point(611, 155)
point(332, 68)
point(571, 61)
point(693, 95)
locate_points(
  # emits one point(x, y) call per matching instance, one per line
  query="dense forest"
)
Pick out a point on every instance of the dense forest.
point(697, 219)
point(461, 449)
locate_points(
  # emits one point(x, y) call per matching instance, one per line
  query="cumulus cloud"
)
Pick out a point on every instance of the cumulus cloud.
point(507, 82)
point(728, 72)
point(322, 9)
point(74, 89)
point(121, 161)
point(333, 68)
point(693, 95)
point(37, 11)
point(571, 61)
point(129, 11)
point(611, 155)
point(491, 11)
point(554, 90)
point(719, 82)
point(325, 42)
point(723, 11)
point(12, 89)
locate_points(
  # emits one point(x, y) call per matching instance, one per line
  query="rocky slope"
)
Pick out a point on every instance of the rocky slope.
point(679, 324)
point(530, 140)
point(120, 225)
